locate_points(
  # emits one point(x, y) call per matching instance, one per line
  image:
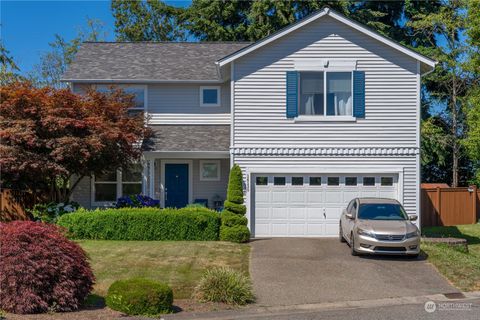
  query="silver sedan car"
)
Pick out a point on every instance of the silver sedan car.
point(381, 226)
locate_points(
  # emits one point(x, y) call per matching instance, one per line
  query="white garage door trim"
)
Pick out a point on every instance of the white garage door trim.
point(252, 172)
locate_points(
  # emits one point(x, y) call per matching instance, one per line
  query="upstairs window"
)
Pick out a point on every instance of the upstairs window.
point(138, 92)
point(210, 96)
point(338, 99)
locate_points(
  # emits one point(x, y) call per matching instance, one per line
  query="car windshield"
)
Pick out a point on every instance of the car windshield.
point(381, 211)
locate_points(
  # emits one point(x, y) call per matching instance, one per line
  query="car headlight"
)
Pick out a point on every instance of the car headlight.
point(363, 232)
point(412, 234)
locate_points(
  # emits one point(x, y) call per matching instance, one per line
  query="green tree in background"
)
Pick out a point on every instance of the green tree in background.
point(472, 140)
point(150, 20)
point(53, 64)
point(8, 67)
point(451, 81)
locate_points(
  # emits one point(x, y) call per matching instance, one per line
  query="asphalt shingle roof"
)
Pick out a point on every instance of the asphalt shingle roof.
point(165, 61)
point(189, 138)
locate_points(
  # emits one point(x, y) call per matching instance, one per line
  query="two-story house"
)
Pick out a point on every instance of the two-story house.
point(316, 114)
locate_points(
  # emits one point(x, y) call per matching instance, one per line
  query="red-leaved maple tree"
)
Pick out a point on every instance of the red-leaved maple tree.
point(51, 138)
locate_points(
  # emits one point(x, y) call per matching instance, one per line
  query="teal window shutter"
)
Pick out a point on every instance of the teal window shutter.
point(359, 94)
point(292, 94)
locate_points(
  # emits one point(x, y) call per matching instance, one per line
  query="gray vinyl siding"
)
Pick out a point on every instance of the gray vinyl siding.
point(208, 189)
point(407, 164)
point(82, 193)
point(184, 98)
point(391, 91)
point(178, 98)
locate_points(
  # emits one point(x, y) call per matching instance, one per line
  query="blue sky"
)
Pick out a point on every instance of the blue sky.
point(28, 26)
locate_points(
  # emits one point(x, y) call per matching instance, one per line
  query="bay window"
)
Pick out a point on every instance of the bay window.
point(110, 186)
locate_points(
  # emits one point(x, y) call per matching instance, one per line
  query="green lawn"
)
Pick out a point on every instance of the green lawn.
point(178, 263)
point(461, 268)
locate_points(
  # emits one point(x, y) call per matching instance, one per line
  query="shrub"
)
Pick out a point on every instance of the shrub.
point(230, 219)
point(140, 296)
point(136, 201)
point(239, 234)
point(50, 212)
point(143, 224)
point(41, 270)
point(224, 285)
point(234, 201)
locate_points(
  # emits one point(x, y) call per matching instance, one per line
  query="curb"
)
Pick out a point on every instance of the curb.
point(266, 311)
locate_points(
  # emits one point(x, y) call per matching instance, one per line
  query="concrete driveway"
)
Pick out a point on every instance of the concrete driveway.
point(288, 271)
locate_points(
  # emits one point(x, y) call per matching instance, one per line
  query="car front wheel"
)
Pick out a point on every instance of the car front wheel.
point(352, 246)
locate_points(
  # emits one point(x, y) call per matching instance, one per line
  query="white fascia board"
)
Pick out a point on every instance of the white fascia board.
point(139, 81)
point(339, 17)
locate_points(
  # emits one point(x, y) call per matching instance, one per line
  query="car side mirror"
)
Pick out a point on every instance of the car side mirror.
point(349, 216)
point(413, 217)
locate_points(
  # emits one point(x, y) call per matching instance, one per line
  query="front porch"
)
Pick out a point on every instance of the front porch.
point(181, 178)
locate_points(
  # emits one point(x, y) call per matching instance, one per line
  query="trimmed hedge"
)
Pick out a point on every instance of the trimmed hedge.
point(230, 219)
point(140, 296)
point(143, 224)
point(239, 234)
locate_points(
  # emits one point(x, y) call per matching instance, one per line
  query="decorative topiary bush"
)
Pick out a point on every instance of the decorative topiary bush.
point(225, 285)
point(234, 201)
point(200, 224)
point(40, 269)
point(239, 234)
point(230, 219)
point(140, 296)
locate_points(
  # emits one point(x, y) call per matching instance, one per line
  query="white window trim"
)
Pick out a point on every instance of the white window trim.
point(135, 86)
point(119, 190)
point(217, 178)
point(218, 104)
point(324, 117)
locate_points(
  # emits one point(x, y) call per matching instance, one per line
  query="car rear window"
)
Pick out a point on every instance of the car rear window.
point(381, 211)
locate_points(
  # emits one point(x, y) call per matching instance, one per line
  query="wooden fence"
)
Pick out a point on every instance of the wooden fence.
point(450, 206)
point(13, 204)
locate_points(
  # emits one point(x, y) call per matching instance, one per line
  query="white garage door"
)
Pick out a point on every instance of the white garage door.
point(302, 205)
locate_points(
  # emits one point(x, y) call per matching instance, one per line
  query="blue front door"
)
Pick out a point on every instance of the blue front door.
point(176, 185)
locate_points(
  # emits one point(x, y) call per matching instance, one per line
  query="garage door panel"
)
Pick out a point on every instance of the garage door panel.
point(314, 213)
point(297, 213)
point(296, 229)
point(279, 196)
point(311, 210)
point(333, 196)
point(331, 229)
point(315, 229)
point(279, 213)
point(279, 229)
point(262, 196)
point(314, 197)
point(296, 197)
point(262, 213)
